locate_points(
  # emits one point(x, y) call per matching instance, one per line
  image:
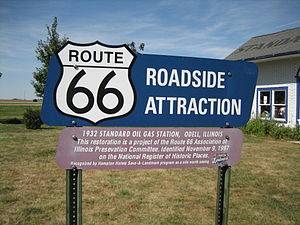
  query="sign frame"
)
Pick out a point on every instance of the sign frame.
point(194, 92)
point(220, 102)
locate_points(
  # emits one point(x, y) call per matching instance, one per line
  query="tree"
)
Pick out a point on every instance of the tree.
point(43, 52)
point(49, 47)
point(132, 46)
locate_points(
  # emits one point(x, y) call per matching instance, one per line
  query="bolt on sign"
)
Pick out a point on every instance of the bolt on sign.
point(104, 85)
point(148, 148)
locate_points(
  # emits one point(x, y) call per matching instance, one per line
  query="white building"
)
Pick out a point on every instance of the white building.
point(277, 94)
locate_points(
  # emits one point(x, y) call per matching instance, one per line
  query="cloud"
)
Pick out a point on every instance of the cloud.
point(288, 24)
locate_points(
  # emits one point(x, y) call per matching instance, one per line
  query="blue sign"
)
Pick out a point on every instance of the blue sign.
point(103, 85)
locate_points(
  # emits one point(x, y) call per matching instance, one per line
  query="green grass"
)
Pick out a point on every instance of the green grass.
point(14, 111)
point(265, 186)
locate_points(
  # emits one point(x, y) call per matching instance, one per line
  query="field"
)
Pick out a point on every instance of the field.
point(10, 109)
point(265, 185)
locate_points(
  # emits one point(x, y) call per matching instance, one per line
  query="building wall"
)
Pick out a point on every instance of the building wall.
point(279, 74)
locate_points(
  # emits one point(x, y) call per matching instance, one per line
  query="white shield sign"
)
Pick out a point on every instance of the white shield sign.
point(95, 82)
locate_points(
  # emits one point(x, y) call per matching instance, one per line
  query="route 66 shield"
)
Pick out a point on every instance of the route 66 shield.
point(95, 83)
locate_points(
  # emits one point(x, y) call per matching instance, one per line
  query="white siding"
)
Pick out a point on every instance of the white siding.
point(275, 74)
point(278, 71)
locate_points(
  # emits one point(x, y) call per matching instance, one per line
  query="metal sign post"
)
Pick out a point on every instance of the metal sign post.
point(82, 148)
point(74, 196)
point(223, 187)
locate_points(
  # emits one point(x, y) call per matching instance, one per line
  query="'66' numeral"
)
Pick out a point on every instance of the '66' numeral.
point(102, 92)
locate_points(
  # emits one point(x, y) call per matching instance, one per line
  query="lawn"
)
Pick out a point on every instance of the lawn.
point(11, 111)
point(265, 185)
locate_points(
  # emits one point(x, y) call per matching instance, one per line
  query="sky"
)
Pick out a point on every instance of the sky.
point(196, 28)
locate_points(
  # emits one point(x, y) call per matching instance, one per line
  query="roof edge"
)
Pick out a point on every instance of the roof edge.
point(276, 32)
point(271, 56)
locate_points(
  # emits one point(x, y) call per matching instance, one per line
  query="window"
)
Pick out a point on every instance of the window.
point(265, 104)
point(279, 104)
point(272, 103)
